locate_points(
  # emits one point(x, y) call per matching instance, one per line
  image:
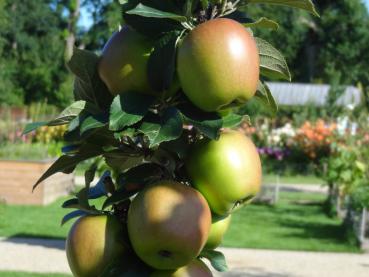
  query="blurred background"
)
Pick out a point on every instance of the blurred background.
point(315, 152)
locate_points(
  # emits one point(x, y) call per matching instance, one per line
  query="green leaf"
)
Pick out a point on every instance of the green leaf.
point(83, 65)
point(151, 27)
point(209, 124)
point(65, 117)
point(165, 128)
point(142, 174)
point(77, 121)
point(272, 63)
point(82, 196)
point(263, 23)
point(216, 259)
point(127, 109)
point(301, 4)
point(93, 122)
point(118, 196)
point(69, 113)
point(146, 11)
point(161, 64)
point(180, 146)
point(77, 203)
point(121, 161)
point(33, 126)
point(66, 164)
point(90, 174)
point(264, 94)
point(71, 204)
point(244, 19)
point(72, 215)
point(87, 85)
point(232, 120)
point(97, 139)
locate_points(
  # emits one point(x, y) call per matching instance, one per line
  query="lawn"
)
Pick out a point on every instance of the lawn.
point(34, 221)
point(25, 274)
point(297, 222)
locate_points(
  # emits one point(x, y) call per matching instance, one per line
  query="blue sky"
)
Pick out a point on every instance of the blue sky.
point(85, 18)
point(86, 21)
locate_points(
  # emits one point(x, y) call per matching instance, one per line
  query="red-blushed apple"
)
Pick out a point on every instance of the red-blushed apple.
point(218, 63)
point(168, 224)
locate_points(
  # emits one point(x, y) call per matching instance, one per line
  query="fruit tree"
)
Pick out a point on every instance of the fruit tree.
point(153, 118)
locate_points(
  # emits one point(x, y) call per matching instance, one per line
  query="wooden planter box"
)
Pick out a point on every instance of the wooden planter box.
point(18, 177)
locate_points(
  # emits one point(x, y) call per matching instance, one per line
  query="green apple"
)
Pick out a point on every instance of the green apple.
point(219, 227)
point(123, 62)
point(218, 64)
point(93, 243)
point(196, 268)
point(226, 171)
point(168, 224)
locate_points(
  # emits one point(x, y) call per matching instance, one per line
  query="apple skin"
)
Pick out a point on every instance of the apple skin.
point(217, 64)
point(218, 228)
point(196, 268)
point(92, 243)
point(168, 224)
point(123, 62)
point(226, 171)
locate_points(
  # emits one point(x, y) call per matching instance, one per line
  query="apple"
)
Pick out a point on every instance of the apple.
point(218, 228)
point(123, 62)
point(168, 224)
point(93, 243)
point(218, 64)
point(196, 268)
point(226, 171)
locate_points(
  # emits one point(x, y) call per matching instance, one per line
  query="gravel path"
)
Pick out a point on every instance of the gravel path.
point(48, 256)
point(268, 263)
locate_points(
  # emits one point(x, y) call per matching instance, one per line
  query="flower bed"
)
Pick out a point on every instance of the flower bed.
point(301, 148)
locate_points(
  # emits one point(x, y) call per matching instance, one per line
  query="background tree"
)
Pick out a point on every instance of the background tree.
point(70, 9)
point(8, 93)
point(33, 48)
point(106, 16)
point(293, 29)
point(331, 49)
point(328, 49)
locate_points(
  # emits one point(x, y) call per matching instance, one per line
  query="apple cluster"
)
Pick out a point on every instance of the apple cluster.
point(153, 114)
point(217, 64)
point(170, 223)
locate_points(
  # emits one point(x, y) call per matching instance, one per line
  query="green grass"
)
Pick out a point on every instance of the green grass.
point(34, 221)
point(293, 179)
point(28, 274)
point(29, 221)
point(297, 222)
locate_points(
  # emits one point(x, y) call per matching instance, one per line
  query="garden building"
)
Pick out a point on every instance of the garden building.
point(297, 94)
